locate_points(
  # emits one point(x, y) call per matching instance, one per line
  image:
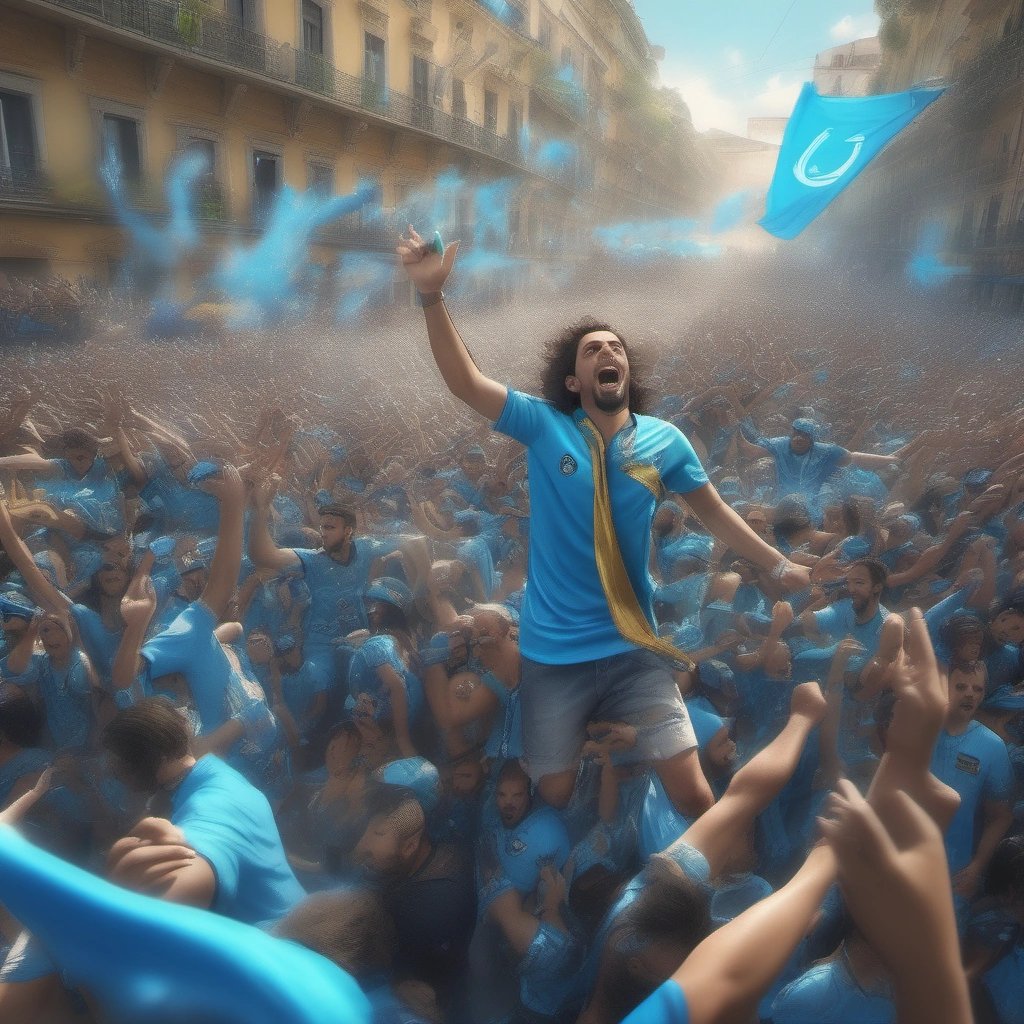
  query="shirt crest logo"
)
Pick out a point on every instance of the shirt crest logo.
point(567, 465)
point(966, 763)
point(515, 846)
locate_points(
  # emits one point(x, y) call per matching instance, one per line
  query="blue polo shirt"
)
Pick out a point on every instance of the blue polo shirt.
point(229, 823)
point(336, 606)
point(976, 764)
point(565, 617)
point(840, 620)
point(803, 474)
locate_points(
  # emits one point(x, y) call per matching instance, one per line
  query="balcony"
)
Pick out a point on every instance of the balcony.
point(24, 185)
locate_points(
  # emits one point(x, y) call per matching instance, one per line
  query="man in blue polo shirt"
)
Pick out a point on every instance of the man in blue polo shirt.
point(802, 462)
point(596, 469)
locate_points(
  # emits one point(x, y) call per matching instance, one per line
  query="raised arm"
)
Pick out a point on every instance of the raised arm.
point(428, 270)
point(227, 557)
point(262, 549)
point(41, 589)
point(137, 608)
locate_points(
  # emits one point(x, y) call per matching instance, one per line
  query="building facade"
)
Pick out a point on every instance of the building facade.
point(322, 94)
point(848, 70)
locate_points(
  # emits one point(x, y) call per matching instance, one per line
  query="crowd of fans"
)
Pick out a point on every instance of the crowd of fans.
point(271, 670)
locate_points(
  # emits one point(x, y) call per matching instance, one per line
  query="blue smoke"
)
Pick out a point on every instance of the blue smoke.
point(272, 281)
point(729, 212)
point(503, 11)
point(640, 241)
point(364, 281)
point(152, 246)
point(925, 268)
point(556, 155)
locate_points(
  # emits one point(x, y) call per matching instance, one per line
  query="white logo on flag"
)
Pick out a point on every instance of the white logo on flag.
point(812, 176)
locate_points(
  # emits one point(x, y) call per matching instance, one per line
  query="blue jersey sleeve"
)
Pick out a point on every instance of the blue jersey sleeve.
point(681, 470)
point(829, 620)
point(999, 782)
point(523, 417)
point(665, 1005)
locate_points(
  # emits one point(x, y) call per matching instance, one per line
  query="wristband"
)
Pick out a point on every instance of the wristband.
point(429, 299)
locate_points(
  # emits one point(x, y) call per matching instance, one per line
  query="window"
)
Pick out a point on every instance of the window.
point(121, 144)
point(312, 27)
point(18, 156)
point(837, 60)
point(458, 98)
point(373, 63)
point(544, 36)
point(420, 80)
point(266, 180)
point(491, 111)
point(320, 179)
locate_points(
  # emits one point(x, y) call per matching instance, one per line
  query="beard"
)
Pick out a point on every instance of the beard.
point(614, 402)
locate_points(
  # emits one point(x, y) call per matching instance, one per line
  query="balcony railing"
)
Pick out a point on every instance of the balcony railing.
point(24, 185)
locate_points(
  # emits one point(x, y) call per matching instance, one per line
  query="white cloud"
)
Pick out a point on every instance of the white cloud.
point(776, 98)
point(734, 58)
point(708, 107)
point(848, 28)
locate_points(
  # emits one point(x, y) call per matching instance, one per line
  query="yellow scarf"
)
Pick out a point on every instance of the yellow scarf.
point(623, 603)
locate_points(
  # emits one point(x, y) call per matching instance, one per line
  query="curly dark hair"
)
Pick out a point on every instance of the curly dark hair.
point(560, 362)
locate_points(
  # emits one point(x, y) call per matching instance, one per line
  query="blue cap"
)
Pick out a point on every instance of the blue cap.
point(539, 838)
point(910, 519)
point(391, 591)
point(417, 774)
point(806, 426)
point(13, 606)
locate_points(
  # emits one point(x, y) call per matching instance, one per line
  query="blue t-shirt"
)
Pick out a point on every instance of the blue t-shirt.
point(178, 507)
point(839, 620)
point(144, 958)
point(374, 654)
point(336, 606)
point(565, 617)
point(665, 1005)
point(65, 694)
point(803, 474)
point(977, 765)
point(230, 824)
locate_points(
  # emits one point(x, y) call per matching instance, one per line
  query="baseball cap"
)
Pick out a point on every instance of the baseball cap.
point(391, 591)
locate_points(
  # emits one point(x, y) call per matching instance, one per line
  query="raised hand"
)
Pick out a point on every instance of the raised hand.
point(427, 269)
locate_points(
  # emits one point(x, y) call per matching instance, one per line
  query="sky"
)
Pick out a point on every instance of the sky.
point(734, 59)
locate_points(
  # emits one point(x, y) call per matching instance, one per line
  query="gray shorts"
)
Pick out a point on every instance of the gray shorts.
point(636, 687)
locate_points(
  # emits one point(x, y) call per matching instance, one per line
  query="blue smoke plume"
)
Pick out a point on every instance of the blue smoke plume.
point(925, 267)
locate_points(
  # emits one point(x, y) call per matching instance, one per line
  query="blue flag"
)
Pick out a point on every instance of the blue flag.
point(829, 140)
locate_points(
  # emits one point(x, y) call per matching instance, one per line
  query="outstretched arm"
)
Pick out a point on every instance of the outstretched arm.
point(428, 270)
point(731, 529)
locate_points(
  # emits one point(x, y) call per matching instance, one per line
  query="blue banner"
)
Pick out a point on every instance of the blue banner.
point(829, 140)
